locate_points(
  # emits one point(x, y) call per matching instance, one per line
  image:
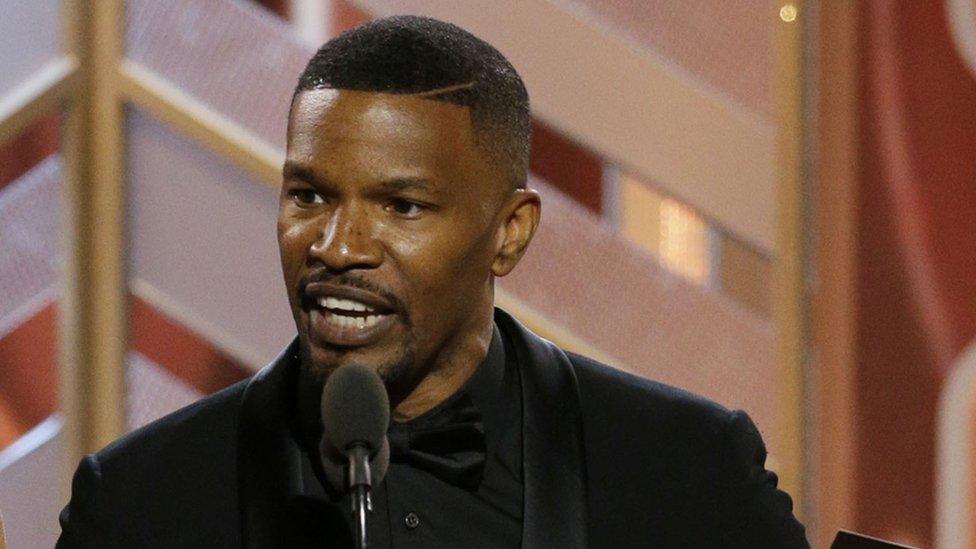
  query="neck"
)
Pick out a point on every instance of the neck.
point(449, 375)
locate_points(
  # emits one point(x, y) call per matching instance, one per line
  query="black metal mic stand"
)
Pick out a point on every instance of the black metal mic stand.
point(360, 482)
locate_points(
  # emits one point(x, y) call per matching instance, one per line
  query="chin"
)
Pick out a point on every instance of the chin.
point(394, 368)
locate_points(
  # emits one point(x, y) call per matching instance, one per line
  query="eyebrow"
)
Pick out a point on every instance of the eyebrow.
point(405, 183)
point(295, 170)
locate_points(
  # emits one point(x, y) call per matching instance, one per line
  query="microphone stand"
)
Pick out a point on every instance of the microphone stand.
point(359, 480)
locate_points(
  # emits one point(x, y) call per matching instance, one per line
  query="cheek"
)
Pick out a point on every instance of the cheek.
point(454, 264)
point(294, 241)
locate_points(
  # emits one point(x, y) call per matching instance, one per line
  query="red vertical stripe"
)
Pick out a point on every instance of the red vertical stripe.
point(345, 16)
point(35, 143)
point(28, 375)
point(180, 351)
point(278, 7)
point(568, 166)
point(916, 290)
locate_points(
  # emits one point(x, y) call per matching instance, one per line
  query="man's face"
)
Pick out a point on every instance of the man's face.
point(388, 228)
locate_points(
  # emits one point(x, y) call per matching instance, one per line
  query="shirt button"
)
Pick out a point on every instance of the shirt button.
point(411, 520)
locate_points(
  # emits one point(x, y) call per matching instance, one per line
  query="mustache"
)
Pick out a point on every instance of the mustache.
point(352, 281)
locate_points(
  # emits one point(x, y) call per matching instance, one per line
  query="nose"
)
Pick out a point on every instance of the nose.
point(347, 241)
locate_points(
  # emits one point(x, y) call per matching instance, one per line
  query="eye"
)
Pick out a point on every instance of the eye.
point(405, 208)
point(305, 197)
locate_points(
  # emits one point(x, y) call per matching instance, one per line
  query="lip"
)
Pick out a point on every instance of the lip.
point(323, 329)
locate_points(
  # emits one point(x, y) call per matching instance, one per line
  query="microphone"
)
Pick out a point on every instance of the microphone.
point(354, 450)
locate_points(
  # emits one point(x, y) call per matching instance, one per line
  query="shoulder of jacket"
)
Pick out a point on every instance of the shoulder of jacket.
point(213, 417)
point(620, 393)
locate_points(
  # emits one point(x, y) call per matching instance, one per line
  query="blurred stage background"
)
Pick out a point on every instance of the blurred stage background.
point(769, 203)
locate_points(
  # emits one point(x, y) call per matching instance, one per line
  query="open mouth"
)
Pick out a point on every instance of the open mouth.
point(347, 317)
point(348, 313)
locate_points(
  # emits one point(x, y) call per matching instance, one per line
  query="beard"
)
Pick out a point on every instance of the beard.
point(400, 374)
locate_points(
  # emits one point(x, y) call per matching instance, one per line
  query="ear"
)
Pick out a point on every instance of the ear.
point(521, 217)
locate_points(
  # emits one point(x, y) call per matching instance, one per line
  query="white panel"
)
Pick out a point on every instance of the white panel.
point(312, 19)
point(954, 455)
point(28, 39)
point(232, 56)
point(203, 243)
point(151, 392)
point(30, 497)
point(962, 26)
point(28, 243)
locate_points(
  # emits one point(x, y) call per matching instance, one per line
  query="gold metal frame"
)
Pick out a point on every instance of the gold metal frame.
point(92, 307)
point(40, 94)
point(210, 129)
point(789, 297)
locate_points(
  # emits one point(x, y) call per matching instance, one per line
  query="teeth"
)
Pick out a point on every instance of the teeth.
point(353, 321)
point(343, 304)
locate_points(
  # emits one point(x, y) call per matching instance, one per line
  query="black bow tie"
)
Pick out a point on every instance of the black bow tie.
point(449, 444)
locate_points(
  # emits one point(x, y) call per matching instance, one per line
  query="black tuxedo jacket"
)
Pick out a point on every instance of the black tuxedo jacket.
point(609, 460)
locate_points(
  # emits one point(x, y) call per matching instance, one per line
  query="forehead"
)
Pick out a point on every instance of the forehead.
point(334, 120)
point(364, 138)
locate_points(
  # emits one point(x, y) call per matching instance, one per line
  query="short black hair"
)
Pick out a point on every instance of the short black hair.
point(409, 54)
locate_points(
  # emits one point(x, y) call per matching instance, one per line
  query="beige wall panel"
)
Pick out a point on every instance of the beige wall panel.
point(726, 44)
point(745, 275)
point(639, 210)
point(673, 232)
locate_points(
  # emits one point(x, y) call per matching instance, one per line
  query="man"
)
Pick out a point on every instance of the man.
point(403, 197)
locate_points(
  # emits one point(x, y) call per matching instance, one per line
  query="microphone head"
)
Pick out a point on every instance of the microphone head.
point(355, 409)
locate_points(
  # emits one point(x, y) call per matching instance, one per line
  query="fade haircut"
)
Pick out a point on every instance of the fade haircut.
point(419, 55)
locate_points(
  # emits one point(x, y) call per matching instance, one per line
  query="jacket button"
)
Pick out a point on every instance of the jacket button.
point(411, 520)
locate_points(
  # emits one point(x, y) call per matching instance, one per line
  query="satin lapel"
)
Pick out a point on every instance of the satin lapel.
point(554, 470)
point(269, 460)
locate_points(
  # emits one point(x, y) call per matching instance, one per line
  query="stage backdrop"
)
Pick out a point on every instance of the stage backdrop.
point(916, 268)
